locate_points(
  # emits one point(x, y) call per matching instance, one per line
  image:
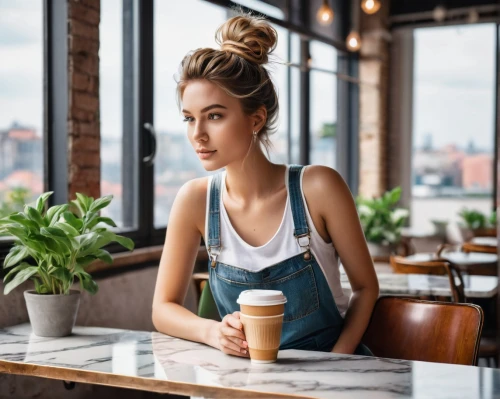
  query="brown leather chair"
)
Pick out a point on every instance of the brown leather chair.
point(412, 329)
point(434, 267)
point(471, 247)
point(488, 348)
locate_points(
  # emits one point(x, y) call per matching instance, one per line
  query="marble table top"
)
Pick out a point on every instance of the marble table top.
point(488, 241)
point(157, 362)
point(458, 258)
point(422, 284)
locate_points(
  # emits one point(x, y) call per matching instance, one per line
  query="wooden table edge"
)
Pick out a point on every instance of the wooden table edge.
point(133, 382)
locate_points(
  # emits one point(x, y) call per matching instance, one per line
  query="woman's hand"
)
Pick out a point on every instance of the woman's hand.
point(228, 336)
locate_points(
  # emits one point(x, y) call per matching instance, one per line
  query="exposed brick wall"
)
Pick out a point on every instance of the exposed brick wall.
point(83, 85)
point(373, 120)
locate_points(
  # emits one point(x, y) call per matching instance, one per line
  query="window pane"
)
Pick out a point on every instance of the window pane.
point(279, 75)
point(323, 56)
point(176, 162)
point(453, 122)
point(263, 7)
point(323, 125)
point(21, 103)
point(111, 113)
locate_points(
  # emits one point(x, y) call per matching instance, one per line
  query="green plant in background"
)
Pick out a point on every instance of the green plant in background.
point(493, 219)
point(14, 201)
point(328, 130)
point(473, 219)
point(380, 219)
point(53, 247)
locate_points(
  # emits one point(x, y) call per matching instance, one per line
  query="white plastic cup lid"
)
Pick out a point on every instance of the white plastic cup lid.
point(261, 298)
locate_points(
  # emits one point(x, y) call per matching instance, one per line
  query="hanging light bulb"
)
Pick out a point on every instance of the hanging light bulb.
point(325, 14)
point(439, 13)
point(353, 41)
point(473, 17)
point(370, 6)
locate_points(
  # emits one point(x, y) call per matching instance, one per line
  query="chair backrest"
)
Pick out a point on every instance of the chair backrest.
point(412, 329)
point(471, 247)
point(433, 267)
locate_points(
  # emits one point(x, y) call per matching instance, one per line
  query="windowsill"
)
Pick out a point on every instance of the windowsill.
point(139, 256)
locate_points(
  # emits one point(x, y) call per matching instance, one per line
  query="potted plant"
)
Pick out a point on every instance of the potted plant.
point(53, 247)
point(476, 223)
point(382, 221)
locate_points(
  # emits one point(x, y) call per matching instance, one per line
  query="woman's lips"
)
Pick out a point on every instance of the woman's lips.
point(206, 155)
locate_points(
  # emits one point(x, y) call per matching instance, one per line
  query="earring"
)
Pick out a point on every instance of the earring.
point(254, 135)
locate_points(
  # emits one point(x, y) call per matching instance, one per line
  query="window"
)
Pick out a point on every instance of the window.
point(176, 162)
point(323, 107)
point(262, 7)
point(112, 81)
point(21, 103)
point(279, 74)
point(453, 122)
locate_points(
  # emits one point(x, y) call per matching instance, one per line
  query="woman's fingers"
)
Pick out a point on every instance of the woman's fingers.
point(234, 320)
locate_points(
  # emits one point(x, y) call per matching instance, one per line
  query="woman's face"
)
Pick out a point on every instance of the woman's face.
point(218, 129)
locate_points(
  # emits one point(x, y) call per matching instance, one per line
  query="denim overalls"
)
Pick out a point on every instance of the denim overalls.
point(312, 320)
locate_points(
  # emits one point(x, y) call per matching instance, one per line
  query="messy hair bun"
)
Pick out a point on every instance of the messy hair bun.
point(250, 38)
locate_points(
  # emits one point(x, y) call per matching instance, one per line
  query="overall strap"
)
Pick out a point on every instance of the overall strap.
point(214, 242)
point(301, 229)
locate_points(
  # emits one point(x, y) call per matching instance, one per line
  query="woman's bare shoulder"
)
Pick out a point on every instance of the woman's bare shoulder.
point(191, 200)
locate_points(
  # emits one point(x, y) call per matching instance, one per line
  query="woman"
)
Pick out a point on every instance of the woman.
point(265, 225)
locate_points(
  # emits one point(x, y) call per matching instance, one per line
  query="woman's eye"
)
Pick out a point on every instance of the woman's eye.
point(187, 119)
point(214, 116)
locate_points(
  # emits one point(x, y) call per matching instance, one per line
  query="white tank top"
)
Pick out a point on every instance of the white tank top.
point(283, 245)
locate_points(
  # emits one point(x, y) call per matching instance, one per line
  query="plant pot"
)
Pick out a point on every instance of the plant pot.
point(380, 251)
point(52, 315)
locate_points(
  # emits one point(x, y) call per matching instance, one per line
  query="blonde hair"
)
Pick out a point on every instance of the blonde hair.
point(246, 42)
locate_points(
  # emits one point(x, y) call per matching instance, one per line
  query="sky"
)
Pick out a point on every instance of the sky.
point(454, 71)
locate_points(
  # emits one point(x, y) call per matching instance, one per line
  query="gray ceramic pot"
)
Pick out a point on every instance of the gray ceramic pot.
point(52, 315)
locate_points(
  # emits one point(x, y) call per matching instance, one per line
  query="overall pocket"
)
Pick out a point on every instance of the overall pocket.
point(299, 288)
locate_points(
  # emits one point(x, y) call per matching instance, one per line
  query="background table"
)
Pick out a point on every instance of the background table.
point(159, 363)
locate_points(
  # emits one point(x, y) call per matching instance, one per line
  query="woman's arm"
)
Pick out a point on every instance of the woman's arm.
point(330, 196)
point(187, 220)
point(176, 267)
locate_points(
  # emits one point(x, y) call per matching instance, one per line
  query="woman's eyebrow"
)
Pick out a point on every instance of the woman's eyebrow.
point(207, 108)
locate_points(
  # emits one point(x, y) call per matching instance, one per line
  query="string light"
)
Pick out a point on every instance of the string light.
point(371, 6)
point(353, 41)
point(325, 14)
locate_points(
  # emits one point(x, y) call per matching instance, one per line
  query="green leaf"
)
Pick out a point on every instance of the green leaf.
point(72, 220)
point(18, 232)
point(90, 220)
point(20, 278)
point(106, 220)
point(83, 200)
point(54, 213)
point(125, 242)
point(14, 270)
point(58, 235)
point(23, 220)
point(34, 215)
point(40, 202)
point(63, 274)
point(15, 255)
point(395, 195)
point(68, 229)
point(101, 203)
point(87, 283)
point(90, 286)
point(104, 256)
point(85, 260)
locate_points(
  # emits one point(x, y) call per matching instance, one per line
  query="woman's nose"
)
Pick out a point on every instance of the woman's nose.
point(199, 133)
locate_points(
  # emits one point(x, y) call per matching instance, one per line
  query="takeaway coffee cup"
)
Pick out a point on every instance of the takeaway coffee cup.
point(262, 318)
